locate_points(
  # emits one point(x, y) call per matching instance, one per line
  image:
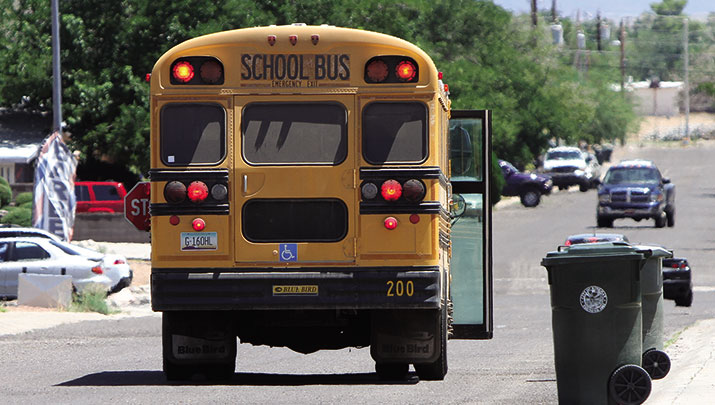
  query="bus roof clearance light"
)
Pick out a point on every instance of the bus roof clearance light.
point(183, 72)
point(390, 223)
point(377, 71)
point(406, 71)
point(391, 190)
point(198, 191)
point(211, 72)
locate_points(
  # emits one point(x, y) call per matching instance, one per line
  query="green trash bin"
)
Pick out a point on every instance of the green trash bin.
point(655, 361)
point(597, 323)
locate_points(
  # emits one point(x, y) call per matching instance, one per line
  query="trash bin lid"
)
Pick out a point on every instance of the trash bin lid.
point(592, 252)
point(654, 251)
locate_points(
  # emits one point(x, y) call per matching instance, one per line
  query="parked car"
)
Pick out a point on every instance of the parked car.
point(678, 281)
point(42, 255)
point(568, 166)
point(99, 196)
point(10, 231)
point(528, 186)
point(595, 237)
point(635, 189)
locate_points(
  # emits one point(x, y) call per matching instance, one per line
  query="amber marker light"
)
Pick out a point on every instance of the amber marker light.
point(183, 72)
point(390, 223)
point(406, 71)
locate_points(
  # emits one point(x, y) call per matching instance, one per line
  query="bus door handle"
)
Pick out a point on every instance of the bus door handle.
point(245, 184)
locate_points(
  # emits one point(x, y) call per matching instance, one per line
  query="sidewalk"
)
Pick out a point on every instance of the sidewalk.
point(691, 379)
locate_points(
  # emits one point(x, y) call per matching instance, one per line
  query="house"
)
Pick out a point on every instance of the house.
point(21, 134)
point(656, 97)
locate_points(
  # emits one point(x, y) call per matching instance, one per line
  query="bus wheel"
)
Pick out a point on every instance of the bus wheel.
point(200, 329)
point(437, 370)
point(172, 371)
point(392, 371)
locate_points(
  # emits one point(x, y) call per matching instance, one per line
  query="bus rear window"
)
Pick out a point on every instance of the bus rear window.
point(193, 134)
point(300, 133)
point(394, 132)
point(295, 220)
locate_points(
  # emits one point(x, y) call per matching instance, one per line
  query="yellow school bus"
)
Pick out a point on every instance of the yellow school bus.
point(301, 197)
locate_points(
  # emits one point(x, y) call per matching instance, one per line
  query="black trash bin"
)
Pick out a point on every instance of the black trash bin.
point(597, 323)
point(655, 361)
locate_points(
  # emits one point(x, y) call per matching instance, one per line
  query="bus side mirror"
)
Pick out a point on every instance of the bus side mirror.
point(458, 207)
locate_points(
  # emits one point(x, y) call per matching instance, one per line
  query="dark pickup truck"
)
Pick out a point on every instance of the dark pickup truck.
point(528, 186)
point(635, 189)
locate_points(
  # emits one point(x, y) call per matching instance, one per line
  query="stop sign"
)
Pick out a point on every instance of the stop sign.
point(136, 206)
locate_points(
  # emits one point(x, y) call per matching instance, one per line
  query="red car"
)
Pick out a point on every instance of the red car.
point(99, 196)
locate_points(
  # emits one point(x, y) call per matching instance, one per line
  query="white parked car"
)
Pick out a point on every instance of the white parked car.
point(42, 255)
point(568, 166)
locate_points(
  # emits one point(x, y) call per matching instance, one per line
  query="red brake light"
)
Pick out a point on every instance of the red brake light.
point(198, 191)
point(376, 71)
point(183, 72)
point(568, 243)
point(391, 190)
point(97, 270)
point(198, 224)
point(406, 71)
point(414, 218)
point(390, 223)
point(119, 261)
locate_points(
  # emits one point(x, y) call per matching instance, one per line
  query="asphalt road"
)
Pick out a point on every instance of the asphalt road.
point(119, 361)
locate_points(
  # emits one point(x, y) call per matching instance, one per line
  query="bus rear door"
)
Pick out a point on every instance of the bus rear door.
point(471, 263)
point(295, 171)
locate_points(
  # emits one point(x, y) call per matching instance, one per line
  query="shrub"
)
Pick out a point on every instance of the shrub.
point(27, 205)
point(91, 299)
point(5, 195)
point(18, 216)
point(4, 182)
point(22, 198)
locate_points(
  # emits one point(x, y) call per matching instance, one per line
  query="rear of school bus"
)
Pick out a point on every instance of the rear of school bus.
point(299, 198)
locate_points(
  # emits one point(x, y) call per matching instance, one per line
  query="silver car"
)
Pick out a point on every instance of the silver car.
point(47, 256)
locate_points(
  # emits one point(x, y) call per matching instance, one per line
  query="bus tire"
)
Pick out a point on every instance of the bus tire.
point(174, 322)
point(437, 370)
point(172, 371)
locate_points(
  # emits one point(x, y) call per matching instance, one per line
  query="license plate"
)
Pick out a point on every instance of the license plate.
point(193, 241)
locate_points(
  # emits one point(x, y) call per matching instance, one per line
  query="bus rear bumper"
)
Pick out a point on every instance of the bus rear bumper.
point(228, 289)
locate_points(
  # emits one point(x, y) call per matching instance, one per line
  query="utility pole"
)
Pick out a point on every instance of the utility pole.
point(534, 17)
point(622, 38)
point(687, 82)
point(56, 79)
point(553, 11)
point(598, 30)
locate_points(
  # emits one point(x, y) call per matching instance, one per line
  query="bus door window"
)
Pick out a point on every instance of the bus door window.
point(471, 225)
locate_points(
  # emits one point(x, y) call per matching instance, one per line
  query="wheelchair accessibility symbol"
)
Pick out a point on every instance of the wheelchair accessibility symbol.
point(288, 252)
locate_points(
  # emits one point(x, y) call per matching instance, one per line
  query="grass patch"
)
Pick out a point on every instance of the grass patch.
point(674, 338)
point(91, 299)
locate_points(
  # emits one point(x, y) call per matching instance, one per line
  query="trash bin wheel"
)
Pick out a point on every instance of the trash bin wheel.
point(629, 385)
point(656, 363)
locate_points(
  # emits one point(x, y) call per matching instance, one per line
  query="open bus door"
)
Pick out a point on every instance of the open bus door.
point(471, 263)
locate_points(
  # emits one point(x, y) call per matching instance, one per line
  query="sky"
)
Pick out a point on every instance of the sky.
point(611, 9)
